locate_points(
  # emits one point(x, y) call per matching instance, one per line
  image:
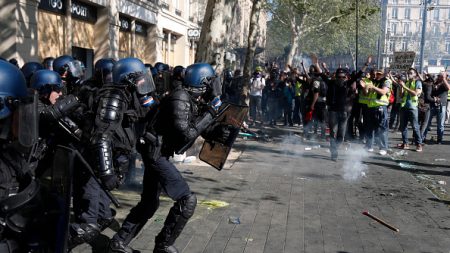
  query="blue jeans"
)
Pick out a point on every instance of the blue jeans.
point(439, 112)
point(410, 115)
point(337, 122)
point(377, 127)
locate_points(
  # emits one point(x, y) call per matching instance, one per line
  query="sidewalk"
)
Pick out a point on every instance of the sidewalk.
point(279, 197)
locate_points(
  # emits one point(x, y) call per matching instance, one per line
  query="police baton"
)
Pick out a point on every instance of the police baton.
point(89, 169)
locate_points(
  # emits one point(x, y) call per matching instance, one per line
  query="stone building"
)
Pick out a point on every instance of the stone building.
point(92, 29)
point(402, 30)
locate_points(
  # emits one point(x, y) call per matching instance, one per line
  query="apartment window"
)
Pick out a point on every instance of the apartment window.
point(420, 13)
point(436, 14)
point(391, 46)
point(448, 13)
point(436, 30)
point(404, 46)
point(394, 12)
point(394, 28)
point(394, 1)
point(448, 29)
point(407, 1)
point(407, 13)
point(406, 28)
point(447, 47)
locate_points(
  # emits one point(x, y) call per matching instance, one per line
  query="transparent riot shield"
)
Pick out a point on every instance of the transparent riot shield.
point(215, 151)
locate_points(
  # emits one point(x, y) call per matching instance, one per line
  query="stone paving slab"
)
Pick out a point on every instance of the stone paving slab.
point(292, 200)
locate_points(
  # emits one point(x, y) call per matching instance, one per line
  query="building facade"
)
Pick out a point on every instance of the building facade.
point(402, 30)
point(93, 29)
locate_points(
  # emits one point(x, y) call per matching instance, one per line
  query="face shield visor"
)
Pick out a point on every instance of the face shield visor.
point(142, 82)
point(105, 76)
point(75, 69)
point(24, 115)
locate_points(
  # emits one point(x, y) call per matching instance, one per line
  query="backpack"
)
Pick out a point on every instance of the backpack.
point(256, 84)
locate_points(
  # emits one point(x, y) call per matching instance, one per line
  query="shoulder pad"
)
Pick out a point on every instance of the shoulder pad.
point(180, 94)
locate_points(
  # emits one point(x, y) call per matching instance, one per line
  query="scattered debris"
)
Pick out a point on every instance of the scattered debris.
point(442, 182)
point(179, 158)
point(363, 174)
point(405, 165)
point(234, 220)
point(189, 159)
point(387, 194)
point(382, 222)
point(259, 135)
point(248, 239)
point(308, 148)
point(213, 204)
point(440, 160)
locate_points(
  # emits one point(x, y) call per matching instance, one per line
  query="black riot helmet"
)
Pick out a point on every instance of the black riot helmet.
point(103, 70)
point(161, 67)
point(178, 73)
point(18, 109)
point(68, 67)
point(29, 68)
point(48, 63)
point(131, 72)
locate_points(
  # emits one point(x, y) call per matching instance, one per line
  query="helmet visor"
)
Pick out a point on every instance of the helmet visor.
point(144, 83)
point(75, 69)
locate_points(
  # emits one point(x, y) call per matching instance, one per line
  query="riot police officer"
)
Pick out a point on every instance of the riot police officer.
point(20, 207)
point(178, 122)
point(71, 73)
point(162, 79)
point(120, 109)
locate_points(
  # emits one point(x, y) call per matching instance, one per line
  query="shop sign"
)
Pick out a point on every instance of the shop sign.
point(141, 29)
point(84, 12)
point(193, 34)
point(125, 24)
point(56, 6)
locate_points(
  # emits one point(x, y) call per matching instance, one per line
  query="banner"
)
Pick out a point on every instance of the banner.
point(402, 61)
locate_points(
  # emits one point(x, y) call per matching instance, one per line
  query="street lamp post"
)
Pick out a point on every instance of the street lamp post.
point(424, 29)
point(357, 34)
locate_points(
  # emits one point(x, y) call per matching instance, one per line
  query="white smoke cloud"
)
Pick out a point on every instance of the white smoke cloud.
point(353, 166)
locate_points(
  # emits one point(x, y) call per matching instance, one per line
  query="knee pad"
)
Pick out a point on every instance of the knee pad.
point(187, 205)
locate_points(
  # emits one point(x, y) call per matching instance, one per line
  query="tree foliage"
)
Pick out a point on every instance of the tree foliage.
point(325, 27)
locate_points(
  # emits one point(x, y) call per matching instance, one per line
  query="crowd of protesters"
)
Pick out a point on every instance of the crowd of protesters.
point(347, 105)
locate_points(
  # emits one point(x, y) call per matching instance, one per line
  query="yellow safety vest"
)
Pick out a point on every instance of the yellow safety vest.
point(414, 99)
point(376, 100)
point(298, 89)
point(362, 98)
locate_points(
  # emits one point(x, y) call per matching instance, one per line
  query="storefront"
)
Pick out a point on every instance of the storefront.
point(51, 28)
point(53, 31)
point(125, 37)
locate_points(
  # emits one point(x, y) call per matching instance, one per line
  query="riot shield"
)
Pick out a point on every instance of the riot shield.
point(57, 180)
point(215, 151)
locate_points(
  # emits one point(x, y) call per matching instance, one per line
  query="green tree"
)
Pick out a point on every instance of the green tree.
point(314, 26)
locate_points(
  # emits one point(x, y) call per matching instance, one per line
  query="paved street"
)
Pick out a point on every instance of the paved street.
point(288, 196)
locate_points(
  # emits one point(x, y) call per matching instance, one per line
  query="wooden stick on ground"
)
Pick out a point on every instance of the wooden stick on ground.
point(366, 213)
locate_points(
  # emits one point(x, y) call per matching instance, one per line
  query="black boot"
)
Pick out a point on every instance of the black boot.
point(84, 233)
point(177, 218)
point(118, 246)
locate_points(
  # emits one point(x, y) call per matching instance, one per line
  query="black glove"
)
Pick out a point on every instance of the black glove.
point(64, 106)
point(111, 182)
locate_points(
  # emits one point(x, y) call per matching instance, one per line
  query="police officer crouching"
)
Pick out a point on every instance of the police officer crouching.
point(183, 115)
